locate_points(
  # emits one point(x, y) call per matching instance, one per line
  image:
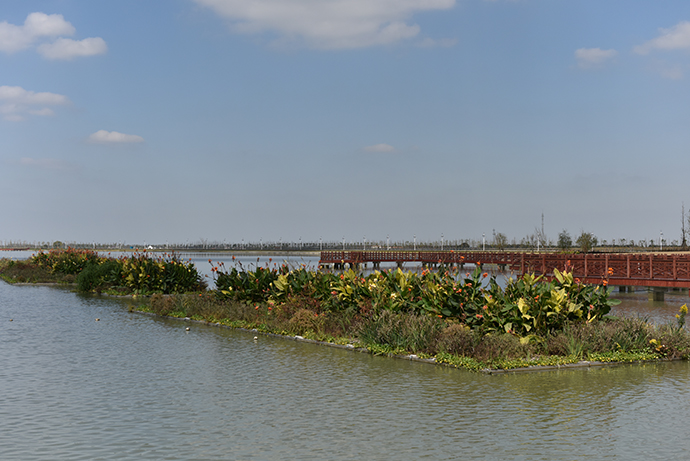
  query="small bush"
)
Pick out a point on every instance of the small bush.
point(97, 277)
point(410, 332)
point(617, 334)
point(456, 339)
point(163, 304)
point(501, 346)
point(304, 321)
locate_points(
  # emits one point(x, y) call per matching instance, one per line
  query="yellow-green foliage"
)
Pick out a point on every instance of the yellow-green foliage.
point(69, 261)
point(528, 304)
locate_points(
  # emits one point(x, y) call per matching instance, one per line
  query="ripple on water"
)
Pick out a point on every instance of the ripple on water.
point(138, 387)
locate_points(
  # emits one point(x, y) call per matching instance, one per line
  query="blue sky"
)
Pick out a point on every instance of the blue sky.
point(224, 120)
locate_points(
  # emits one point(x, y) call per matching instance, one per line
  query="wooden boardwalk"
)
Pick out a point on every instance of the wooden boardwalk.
point(620, 269)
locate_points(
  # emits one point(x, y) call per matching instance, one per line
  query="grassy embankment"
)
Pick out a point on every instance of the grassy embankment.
point(468, 321)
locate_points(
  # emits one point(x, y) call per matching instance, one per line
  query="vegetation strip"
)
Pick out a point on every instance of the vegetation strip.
point(457, 319)
point(414, 357)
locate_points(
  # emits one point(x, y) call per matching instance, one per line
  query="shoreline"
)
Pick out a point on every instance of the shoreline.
point(414, 357)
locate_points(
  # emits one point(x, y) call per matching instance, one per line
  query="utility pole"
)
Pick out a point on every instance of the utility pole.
point(684, 242)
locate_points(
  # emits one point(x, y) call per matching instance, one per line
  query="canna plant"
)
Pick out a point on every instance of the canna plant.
point(528, 305)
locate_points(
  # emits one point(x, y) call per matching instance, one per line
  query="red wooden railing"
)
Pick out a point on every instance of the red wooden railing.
point(641, 269)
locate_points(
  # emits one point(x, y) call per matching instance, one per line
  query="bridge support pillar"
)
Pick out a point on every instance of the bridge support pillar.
point(399, 264)
point(376, 264)
point(657, 294)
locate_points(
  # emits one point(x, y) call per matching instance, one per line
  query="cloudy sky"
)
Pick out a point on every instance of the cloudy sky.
point(182, 120)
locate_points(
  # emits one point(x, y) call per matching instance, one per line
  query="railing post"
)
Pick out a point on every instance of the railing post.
point(585, 265)
point(606, 266)
point(674, 268)
point(628, 259)
point(651, 268)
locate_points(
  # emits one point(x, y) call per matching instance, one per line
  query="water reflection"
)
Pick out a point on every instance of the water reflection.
point(132, 386)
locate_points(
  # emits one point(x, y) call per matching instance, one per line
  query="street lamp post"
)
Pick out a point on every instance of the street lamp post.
point(441, 242)
point(661, 241)
point(415, 242)
point(483, 241)
point(388, 242)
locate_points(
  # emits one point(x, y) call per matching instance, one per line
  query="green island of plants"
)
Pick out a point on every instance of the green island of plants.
point(464, 320)
point(140, 273)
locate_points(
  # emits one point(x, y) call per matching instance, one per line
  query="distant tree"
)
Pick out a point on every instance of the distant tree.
point(564, 240)
point(529, 241)
point(58, 244)
point(586, 241)
point(500, 240)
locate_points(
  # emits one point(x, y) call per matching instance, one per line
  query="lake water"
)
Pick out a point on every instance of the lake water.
point(133, 386)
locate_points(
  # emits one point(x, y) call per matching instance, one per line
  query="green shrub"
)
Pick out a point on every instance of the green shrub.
point(98, 277)
point(456, 339)
point(410, 332)
point(69, 261)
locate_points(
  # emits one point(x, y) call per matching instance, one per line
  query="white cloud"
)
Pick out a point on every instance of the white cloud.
point(380, 148)
point(14, 38)
point(39, 26)
point(52, 25)
point(592, 57)
point(66, 48)
point(327, 24)
point(675, 38)
point(113, 137)
point(16, 103)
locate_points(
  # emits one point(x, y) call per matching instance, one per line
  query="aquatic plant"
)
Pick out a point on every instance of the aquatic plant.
point(528, 305)
point(67, 261)
point(680, 316)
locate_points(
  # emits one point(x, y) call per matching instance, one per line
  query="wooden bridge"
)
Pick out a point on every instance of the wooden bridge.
point(620, 269)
